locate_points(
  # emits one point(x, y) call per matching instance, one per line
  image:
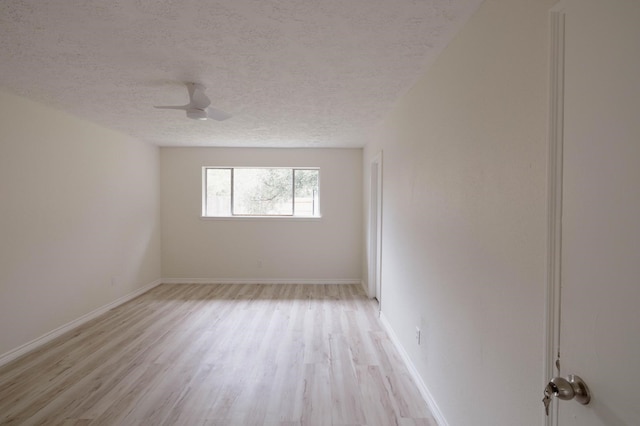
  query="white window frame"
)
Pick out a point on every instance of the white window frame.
point(248, 216)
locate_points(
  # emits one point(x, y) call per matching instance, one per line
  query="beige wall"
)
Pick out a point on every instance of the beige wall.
point(464, 217)
point(329, 248)
point(79, 219)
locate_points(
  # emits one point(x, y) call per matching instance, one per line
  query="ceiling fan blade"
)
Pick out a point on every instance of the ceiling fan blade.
point(218, 115)
point(197, 97)
point(183, 107)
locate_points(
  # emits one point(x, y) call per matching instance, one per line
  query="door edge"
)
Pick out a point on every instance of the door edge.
point(554, 207)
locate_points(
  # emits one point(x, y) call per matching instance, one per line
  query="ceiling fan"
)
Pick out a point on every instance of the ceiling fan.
point(198, 107)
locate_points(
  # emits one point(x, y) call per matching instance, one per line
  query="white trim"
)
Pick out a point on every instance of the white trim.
point(261, 281)
point(413, 371)
point(554, 215)
point(47, 337)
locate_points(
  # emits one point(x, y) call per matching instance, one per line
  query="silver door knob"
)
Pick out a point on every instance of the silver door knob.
point(573, 387)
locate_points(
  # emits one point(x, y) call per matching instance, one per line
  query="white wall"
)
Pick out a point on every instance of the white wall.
point(464, 217)
point(229, 249)
point(79, 219)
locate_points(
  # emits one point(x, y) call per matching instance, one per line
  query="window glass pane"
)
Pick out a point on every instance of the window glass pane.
point(306, 194)
point(218, 197)
point(263, 192)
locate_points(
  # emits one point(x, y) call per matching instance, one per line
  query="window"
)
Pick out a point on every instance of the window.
point(273, 191)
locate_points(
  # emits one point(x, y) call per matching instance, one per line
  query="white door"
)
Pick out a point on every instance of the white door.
point(600, 246)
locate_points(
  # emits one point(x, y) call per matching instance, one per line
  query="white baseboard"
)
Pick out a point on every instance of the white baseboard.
point(422, 387)
point(45, 338)
point(261, 281)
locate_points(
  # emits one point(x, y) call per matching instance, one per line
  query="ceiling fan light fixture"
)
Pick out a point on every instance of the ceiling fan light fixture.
point(197, 114)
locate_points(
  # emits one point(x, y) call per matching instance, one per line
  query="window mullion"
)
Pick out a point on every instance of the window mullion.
point(232, 191)
point(293, 192)
point(205, 195)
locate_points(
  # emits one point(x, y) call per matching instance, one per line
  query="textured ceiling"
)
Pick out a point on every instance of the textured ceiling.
point(294, 73)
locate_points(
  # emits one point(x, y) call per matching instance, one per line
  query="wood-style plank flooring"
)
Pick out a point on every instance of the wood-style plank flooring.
point(222, 355)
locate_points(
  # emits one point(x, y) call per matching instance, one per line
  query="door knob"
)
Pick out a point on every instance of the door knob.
point(573, 387)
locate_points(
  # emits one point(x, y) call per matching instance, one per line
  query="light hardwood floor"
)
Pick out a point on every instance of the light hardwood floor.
point(220, 354)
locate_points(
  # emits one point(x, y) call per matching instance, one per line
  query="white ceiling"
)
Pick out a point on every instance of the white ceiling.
point(294, 73)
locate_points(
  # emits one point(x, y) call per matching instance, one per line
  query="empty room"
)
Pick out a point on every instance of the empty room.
point(296, 212)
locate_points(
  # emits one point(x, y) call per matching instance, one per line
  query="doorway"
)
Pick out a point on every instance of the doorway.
point(375, 229)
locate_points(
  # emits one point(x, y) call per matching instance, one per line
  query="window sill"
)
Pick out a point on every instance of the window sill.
point(260, 218)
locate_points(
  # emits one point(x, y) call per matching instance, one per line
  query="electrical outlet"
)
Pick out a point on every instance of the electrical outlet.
point(418, 335)
point(259, 263)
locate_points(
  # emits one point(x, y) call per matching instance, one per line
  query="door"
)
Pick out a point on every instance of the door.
point(600, 229)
